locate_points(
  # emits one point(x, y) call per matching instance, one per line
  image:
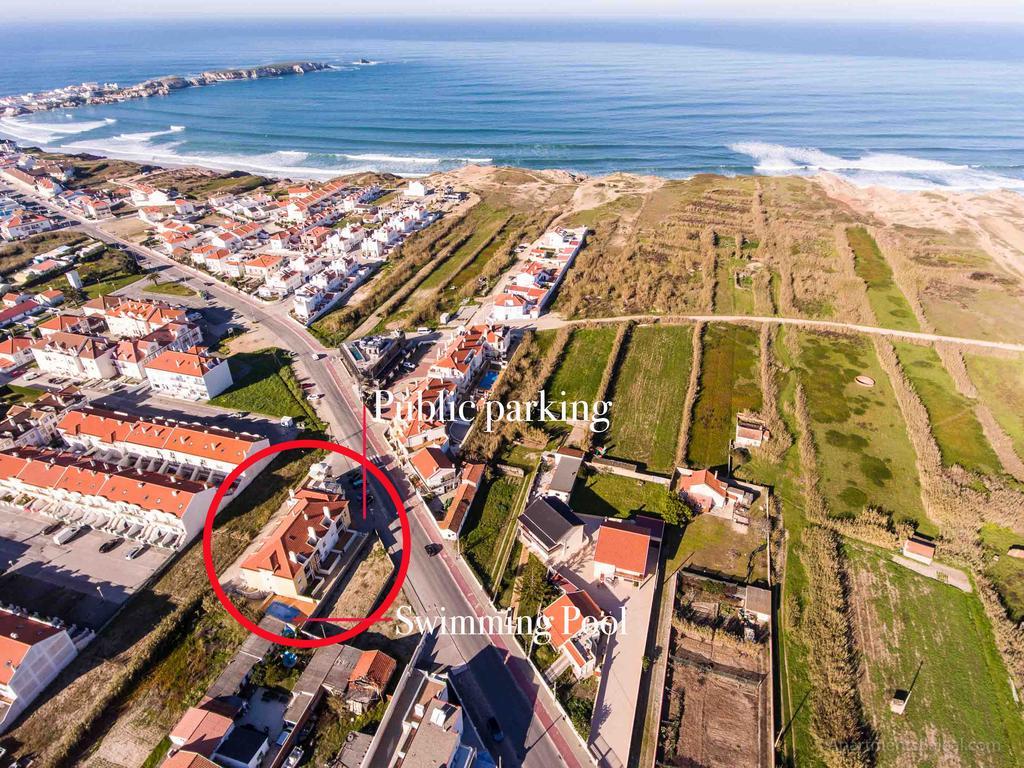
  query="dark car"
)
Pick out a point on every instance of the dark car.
point(110, 545)
point(52, 528)
point(495, 729)
point(433, 549)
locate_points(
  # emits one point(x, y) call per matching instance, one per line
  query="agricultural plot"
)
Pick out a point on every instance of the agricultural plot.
point(491, 515)
point(890, 306)
point(1006, 571)
point(734, 292)
point(917, 634)
point(728, 385)
point(649, 394)
point(712, 545)
point(1000, 383)
point(864, 454)
point(578, 376)
point(980, 305)
point(956, 428)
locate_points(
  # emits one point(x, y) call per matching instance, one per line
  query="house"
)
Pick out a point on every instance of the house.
point(18, 312)
point(567, 466)
point(550, 528)
point(432, 728)
point(260, 267)
point(751, 432)
point(140, 503)
point(460, 504)
point(417, 189)
point(206, 454)
point(183, 207)
point(35, 424)
point(86, 325)
point(704, 490)
point(189, 375)
point(302, 548)
point(33, 651)
point(757, 603)
point(573, 622)
point(622, 551)
point(23, 225)
point(52, 298)
point(434, 469)
point(368, 680)
point(75, 355)
point(15, 351)
point(244, 747)
point(919, 549)
point(201, 729)
point(188, 759)
point(510, 306)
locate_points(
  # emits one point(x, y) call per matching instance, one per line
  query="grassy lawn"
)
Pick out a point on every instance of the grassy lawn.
point(954, 424)
point(888, 302)
point(1007, 573)
point(109, 272)
point(961, 696)
point(864, 455)
point(12, 394)
point(170, 289)
point(487, 522)
point(579, 374)
point(710, 544)
point(649, 394)
point(265, 383)
point(110, 285)
point(1000, 383)
point(728, 385)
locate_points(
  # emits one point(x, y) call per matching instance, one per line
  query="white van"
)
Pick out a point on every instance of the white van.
point(67, 534)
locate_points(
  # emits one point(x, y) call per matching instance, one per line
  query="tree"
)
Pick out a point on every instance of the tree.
point(676, 511)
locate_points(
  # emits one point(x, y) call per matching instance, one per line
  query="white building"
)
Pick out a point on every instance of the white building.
point(76, 356)
point(33, 651)
point(191, 375)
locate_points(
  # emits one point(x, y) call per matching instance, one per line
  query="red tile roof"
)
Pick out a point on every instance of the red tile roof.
point(623, 545)
point(567, 613)
point(18, 634)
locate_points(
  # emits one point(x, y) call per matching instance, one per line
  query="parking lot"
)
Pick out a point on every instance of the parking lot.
point(73, 581)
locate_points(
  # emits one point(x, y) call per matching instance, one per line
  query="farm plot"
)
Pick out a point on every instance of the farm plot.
point(957, 431)
point(914, 631)
point(864, 455)
point(890, 306)
point(728, 385)
point(578, 376)
point(491, 515)
point(649, 394)
point(1000, 382)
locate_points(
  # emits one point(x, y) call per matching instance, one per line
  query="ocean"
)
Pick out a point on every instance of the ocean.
point(928, 106)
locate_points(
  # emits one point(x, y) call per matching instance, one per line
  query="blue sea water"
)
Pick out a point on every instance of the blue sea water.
point(906, 107)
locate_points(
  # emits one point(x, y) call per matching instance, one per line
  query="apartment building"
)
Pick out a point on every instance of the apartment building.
point(189, 375)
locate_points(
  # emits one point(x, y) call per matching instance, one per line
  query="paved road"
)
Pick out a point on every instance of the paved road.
point(536, 732)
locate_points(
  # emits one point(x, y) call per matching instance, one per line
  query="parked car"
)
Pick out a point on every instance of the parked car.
point(433, 549)
point(63, 537)
point(134, 552)
point(111, 544)
point(294, 757)
point(52, 528)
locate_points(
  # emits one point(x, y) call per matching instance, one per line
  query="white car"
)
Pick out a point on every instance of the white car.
point(293, 758)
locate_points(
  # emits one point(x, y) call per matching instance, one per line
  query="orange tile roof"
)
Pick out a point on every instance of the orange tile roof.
point(567, 613)
point(623, 545)
point(375, 668)
point(75, 344)
point(703, 477)
point(191, 363)
point(187, 759)
point(18, 634)
point(307, 510)
point(201, 730)
point(110, 427)
point(429, 461)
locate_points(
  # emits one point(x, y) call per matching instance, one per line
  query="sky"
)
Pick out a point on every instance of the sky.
point(990, 11)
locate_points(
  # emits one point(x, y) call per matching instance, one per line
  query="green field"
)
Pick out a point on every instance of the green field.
point(954, 424)
point(889, 304)
point(649, 396)
point(172, 288)
point(487, 522)
point(728, 384)
point(711, 544)
point(961, 711)
point(1000, 383)
point(1007, 573)
point(864, 454)
point(265, 383)
point(579, 373)
point(608, 495)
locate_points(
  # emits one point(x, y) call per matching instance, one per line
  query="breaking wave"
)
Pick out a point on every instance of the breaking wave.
point(873, 168)
point(44, 133)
